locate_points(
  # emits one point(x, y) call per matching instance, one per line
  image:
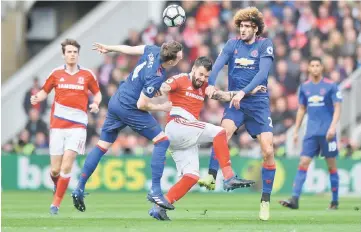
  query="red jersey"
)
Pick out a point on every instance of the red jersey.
point(69, 109)
point(187, 101)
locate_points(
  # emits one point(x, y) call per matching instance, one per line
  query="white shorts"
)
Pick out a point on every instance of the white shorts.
point(67, 139)
point(185, 137)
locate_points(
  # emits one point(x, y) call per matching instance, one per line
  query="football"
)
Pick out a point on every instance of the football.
point(174, 16)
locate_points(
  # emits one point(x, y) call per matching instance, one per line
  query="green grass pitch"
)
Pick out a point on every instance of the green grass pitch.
point(29, 212)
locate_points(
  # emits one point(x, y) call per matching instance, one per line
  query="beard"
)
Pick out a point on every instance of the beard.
point(195, 83)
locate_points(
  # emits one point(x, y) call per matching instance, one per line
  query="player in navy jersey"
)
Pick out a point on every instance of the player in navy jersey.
point(249, 59)
point(321, 99)
point(129, 106)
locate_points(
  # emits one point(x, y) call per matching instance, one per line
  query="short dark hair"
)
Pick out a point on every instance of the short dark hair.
point(315, 58)
point(70, 42)
point(169, 51)
point(205, 62)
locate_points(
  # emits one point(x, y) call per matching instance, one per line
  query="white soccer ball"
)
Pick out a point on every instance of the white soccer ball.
point(174, 16)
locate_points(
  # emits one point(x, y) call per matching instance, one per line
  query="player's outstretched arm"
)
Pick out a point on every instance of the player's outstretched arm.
point(227, 96)
point(39, 97)
point(129, 50)
point(144, 104)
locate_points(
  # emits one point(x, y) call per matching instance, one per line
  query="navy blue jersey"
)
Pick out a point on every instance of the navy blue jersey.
point(243, 62)
point(147, 77)
point(319, 99)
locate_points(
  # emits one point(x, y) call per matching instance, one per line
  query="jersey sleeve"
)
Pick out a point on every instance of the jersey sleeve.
point(152, 85)
point(222, 59)
point(149, 48)
point(302, 99)
point(266, 49)
point(49, 83)
point(173, 83)
point(336, 94)
point(93, 84)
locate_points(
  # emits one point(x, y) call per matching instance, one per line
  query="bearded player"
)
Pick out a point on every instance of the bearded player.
point(249, 58)
point(186, 133)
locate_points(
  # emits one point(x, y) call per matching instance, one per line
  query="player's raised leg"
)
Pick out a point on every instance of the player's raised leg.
point(161, 144)
point(218, 136)
point(111, 127)
point(268, 172)
point(210, 179)
point(334, 181)
point(91, 162)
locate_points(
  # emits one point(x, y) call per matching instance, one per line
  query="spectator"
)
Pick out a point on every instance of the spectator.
point(41, 141)
point(206, 12)
point(23, 145)
point(325, 22)
point(41, 107)
point(35, 125)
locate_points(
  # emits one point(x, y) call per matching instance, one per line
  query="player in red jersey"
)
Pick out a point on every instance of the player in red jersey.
point(185, 132)
point(68, 120)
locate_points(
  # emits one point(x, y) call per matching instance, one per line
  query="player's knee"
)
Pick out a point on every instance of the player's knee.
point(229, 134)
point(304, 164)
point(103, 144)
point(54, 171)
point(164, 142)
point(268, 152)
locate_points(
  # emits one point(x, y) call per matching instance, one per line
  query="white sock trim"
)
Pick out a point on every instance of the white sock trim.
point(68, 175)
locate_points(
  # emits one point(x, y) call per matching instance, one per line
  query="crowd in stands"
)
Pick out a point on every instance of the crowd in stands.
point(298, 29)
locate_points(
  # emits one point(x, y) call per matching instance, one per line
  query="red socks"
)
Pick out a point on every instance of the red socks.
point(181, 187)
point(220, 146)
point(61, 188)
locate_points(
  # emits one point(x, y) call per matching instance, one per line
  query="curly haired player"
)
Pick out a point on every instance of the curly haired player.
point(249, 58)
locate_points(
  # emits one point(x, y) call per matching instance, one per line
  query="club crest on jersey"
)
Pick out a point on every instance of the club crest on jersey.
point(81, 80)
point(254, 53)
point(235, 51)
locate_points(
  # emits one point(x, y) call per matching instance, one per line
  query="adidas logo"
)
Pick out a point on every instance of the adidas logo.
point(190, 88)
point(62, 79)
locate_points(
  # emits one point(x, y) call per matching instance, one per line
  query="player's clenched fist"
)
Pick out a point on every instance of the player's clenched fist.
point(34, 100)
point(210, 90)
point(94, 108)
point(101, 48)
point(167, 106)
